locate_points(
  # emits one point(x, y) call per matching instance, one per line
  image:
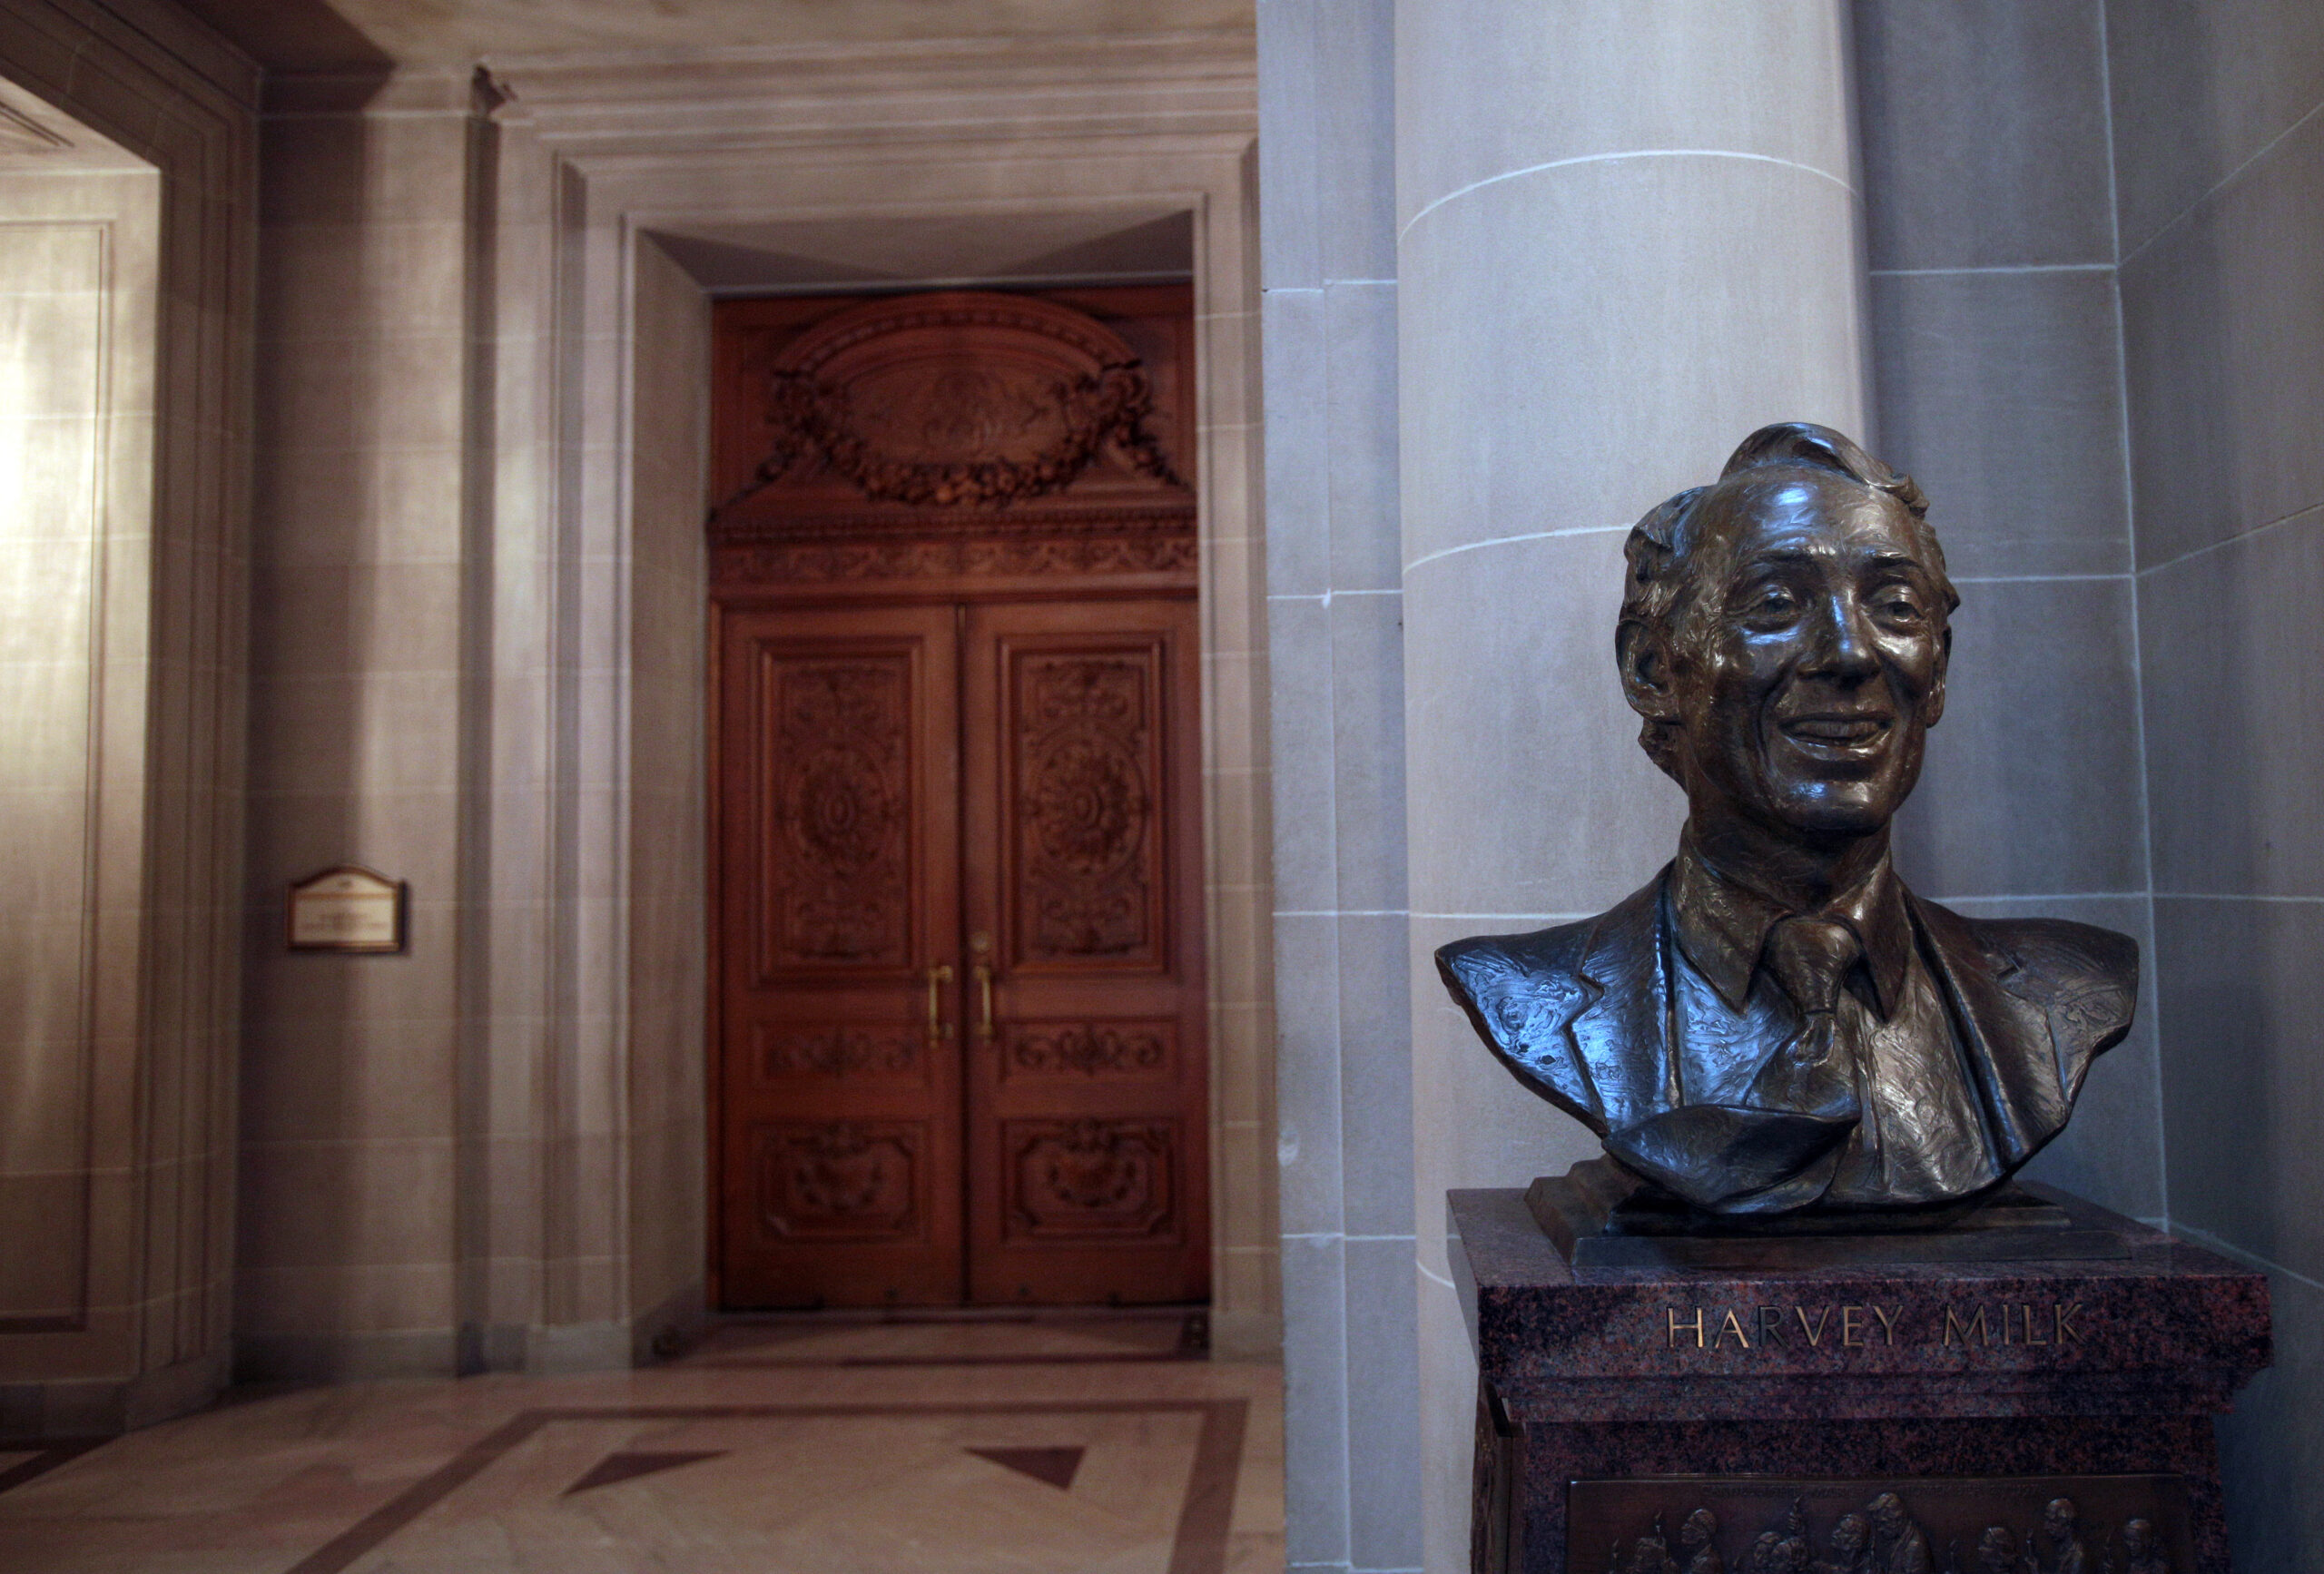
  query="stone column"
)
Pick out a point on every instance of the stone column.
point(1627, 234)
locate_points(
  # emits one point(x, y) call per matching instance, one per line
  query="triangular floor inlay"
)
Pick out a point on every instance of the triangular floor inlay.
point(1055, 1466)
point(627, 1467)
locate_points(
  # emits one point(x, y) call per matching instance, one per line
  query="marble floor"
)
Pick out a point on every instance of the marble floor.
point(1097, 1445)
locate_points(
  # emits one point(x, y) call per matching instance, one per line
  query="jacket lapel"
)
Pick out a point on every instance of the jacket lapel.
point(2005, 1039)
point(1622, 1035)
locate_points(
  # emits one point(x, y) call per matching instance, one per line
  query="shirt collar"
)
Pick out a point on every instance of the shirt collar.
point(1722, 926)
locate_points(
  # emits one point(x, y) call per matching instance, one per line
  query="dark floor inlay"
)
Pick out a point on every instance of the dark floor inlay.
point(1055, 1466)
point(45, 1457)
point(627, 1467)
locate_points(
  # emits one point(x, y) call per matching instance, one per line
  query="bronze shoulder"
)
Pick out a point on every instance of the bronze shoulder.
point(1519, 992)
point(2078, 981)
point(2086, 977)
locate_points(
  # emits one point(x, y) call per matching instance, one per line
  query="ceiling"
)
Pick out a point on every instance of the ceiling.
point(1131, 246)
point(371, 35)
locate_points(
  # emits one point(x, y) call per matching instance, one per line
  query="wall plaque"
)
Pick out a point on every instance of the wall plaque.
point(346, 909)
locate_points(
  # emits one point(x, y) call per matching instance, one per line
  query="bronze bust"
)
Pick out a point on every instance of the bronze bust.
point(1774, 1023)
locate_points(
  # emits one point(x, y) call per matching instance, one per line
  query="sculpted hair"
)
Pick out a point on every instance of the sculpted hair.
point(1658, 556)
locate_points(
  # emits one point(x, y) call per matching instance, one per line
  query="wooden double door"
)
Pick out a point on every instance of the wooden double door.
point(960, 995)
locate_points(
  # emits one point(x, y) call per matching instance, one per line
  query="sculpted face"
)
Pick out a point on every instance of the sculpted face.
point(1810, 657)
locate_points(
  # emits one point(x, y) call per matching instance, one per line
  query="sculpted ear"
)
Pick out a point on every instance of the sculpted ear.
point(1644, 658)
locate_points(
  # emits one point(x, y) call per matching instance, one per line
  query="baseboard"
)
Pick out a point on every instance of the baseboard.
point(1245, 1335)
point(36, 1413)
point(543, 1351)
point(614, 1345)
point(346, 1357)
point(669, 1328)
point(559, 1349)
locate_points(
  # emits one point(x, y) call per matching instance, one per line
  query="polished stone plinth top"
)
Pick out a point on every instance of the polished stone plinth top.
point(2166, 1327)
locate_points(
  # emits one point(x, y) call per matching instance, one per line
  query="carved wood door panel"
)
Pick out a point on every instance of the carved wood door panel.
point(960, 958)
point(1087, 1110)
point(838, 920)
point(959, 1005)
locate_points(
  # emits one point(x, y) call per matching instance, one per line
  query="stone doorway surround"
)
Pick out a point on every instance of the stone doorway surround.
point(583, 1129)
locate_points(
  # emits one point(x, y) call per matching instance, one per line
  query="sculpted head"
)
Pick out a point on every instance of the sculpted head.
point(1887, 1514)
point(2058, 1519)
point(1785, 634)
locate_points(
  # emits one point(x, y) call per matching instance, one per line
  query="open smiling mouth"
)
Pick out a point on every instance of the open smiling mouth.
point(1835, 734)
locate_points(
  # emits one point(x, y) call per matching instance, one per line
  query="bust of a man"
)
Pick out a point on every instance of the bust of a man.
point(1774, 1023)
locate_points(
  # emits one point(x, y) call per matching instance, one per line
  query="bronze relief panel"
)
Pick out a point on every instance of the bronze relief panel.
point(2127, 1524)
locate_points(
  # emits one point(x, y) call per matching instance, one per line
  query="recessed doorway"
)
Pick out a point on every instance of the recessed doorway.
point(958, 1003)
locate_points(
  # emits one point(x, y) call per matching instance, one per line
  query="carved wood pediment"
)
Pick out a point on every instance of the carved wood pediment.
point(956, 400)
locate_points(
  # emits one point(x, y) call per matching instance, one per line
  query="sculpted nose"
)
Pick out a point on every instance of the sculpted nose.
point(1840, 642)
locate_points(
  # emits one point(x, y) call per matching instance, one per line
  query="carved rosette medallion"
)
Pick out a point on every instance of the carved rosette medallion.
point(1087, 832)
point(837, 790)
point(1088, 1049)
point(1091, 1179)
point(840, 1180)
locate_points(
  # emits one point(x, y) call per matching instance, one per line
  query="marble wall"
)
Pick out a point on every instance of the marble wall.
point(2219, 143)
point(349, 1250)
point(1336, 650)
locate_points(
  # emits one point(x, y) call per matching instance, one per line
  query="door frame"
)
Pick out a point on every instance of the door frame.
point(588, 1069)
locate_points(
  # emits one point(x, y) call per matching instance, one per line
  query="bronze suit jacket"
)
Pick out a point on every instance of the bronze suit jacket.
point(1579, 1013)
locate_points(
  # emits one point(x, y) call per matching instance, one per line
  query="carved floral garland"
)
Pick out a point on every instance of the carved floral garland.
point(813, 421)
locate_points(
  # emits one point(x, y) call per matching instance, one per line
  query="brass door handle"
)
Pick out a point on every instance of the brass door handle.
point(939, 976)
point(984, 995)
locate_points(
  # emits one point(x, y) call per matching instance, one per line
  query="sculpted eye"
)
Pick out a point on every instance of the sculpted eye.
point(1772, 602)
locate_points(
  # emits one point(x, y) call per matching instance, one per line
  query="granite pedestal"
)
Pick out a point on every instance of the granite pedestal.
point(1764, 1421)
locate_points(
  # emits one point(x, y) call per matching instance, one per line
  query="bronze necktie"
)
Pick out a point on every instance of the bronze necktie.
point(1812, 1073)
